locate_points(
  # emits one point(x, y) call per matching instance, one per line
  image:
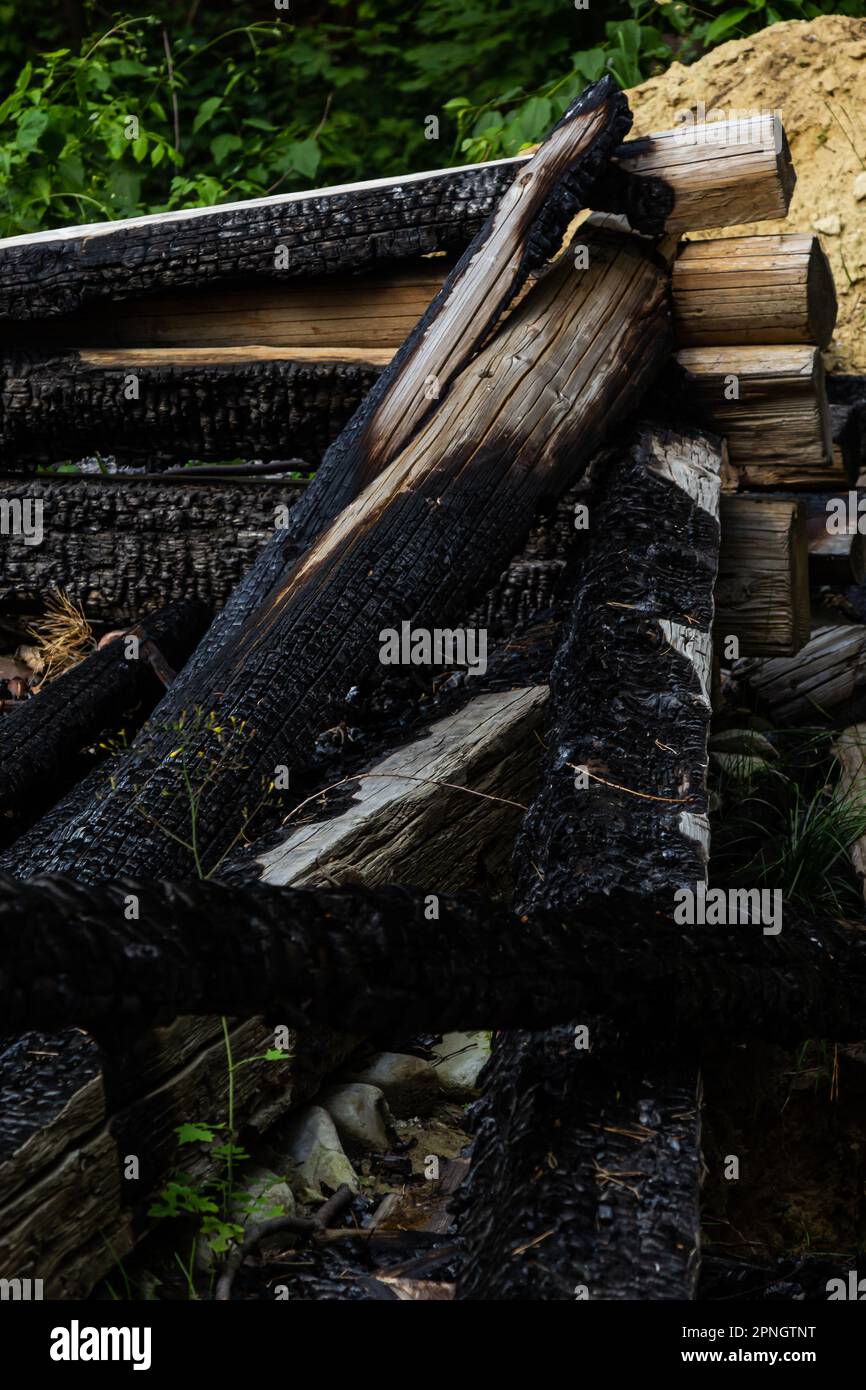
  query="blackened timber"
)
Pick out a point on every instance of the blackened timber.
point(523, 231)
point(358, 960)
point(442, 520)
point(159, 407)
point(585, 1173)
point(119, 545)
point(109, 688)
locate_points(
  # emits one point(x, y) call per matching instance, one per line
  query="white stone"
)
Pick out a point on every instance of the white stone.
point(462, 1057)
point(411, 1085)
point(360, 1114)
point(310, 1142)
point(830, 226)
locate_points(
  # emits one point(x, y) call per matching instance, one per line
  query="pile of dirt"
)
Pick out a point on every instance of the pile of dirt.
point(814, 75)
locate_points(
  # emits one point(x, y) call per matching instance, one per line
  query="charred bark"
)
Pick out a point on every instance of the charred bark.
point(157, 412)
point(585, 1173)
point(106, 691)
point(362, 960)
point(118, 545)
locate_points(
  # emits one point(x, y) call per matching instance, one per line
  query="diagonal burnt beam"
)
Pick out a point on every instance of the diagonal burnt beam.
point(422, 542)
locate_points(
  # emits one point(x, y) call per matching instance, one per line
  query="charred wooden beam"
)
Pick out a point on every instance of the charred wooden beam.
point(118, 545)
point(110, 689)
point(420, 544)
point(762, 591)
point(770, 404)
point(756, 289)
point(585, 1176)
point(359, 960)
point(518, 238)
point(718, 176)
point(159, 406)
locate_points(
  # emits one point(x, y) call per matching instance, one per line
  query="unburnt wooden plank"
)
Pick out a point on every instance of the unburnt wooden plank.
point(762, 590)
point(757, 289)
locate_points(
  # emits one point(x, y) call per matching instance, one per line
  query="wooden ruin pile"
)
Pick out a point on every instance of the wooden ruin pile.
point(454, 365)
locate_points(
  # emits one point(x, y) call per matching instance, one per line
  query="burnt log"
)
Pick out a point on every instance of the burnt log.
point(153, 407)
point(118, 545)
point(585, 1174)
point(360, 960)
point(417, 547)
point(517, 238)
point(108, 690)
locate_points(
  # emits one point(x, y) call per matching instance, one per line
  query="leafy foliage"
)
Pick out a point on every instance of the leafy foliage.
point(182, 107)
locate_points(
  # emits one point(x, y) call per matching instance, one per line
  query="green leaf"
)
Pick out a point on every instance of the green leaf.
point(589, 63)
point(224, 145)
point(304, 156)
point(204, 113)
point(725, 21)
point(139, 148)
point(535, 116)
point(195, 1134)
point(274, 1054)
point(30, 127)
point(129, 67)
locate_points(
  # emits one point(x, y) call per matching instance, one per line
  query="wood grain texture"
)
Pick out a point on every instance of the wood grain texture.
point(375, 309)
point(762, 592)
point(409, 820)
point(825, 674)
point(757, 289)
point(770, 404)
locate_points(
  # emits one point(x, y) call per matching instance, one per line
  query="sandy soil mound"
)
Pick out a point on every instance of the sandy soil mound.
point(814, 74)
